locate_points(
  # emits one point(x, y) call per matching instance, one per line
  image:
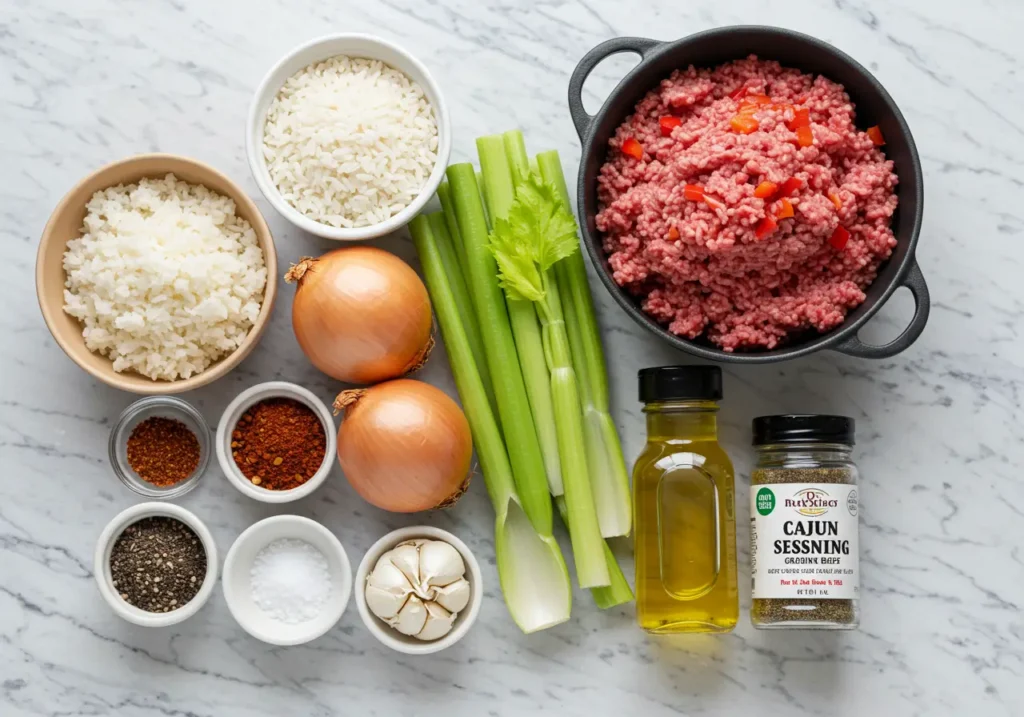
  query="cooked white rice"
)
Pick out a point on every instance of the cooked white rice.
point(165, 278)
point(350, 142)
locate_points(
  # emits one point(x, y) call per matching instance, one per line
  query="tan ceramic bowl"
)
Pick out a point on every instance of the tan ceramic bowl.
point(66, 224)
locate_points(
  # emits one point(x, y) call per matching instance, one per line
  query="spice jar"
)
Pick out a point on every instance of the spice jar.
point(804, 505)
point(683, 493)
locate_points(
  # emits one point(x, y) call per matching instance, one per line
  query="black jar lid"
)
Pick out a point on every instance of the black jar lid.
point(803, 428)
point(680, 383)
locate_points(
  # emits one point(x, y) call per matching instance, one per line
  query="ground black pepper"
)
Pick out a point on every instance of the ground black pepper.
point(163, 451)
point(158, 564)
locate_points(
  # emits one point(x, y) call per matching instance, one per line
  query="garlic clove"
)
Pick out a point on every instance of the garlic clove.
point(453, 597)
point(406, 557)
point(438, 623)
point(440, 564)
point(411, 618)
point(386, 590)
point(384, 603)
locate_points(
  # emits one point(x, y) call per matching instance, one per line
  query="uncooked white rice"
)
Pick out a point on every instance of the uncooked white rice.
point(350, 142)
point(165, 278)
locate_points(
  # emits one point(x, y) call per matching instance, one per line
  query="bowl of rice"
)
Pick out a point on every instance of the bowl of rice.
point(156, 274)
point(348, 137)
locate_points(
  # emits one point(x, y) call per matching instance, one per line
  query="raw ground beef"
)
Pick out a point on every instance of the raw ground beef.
point(701, 269)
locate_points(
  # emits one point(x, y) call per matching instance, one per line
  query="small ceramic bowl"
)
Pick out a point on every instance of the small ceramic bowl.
point(323, 48)
point(101, 564)
point(238, 579)
point(65, 224)
point(252, 396)
point(164, 407)
point(392, 637)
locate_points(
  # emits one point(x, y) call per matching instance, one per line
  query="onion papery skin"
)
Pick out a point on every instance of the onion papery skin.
point(404, 445)
point(361, 315)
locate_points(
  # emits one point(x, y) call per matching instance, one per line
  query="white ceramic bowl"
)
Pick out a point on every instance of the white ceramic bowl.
point(101, 564)
point(238, 581)
point(392, 637)
point(353, 45)
point(234, 411)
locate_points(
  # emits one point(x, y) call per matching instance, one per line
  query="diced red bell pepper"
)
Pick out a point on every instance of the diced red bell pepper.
point(790, 187)
point(713, 203)
point(834, 198)
point(693, 192)
point(875, 133)
point(839, 238)
point(633, 148)
point(766, 190)
point(801, 118)
point(744, 124)
point(673, 233)
point(738, 92)
point(756, 100)
point(668, 123)
point(765, 227)
point(804, 136)
point(784, 210)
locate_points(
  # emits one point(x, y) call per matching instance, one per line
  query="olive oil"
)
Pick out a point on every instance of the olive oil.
point(684, 503)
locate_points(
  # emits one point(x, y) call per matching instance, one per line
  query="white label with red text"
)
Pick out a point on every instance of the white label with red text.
point(803, 541)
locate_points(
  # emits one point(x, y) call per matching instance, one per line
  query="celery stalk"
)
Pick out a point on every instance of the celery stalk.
point(533, 575)
point(536, 233)
point(500, 351)
point(462, 301)
point(499, 192)
point(483, 198)
point(609, 475)
point(606, 596)
point(444, 194)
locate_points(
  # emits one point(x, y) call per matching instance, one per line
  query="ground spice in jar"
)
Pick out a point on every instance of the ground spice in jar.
point(158, 564)
point(279, 443)
point(163, 451)
point(804, 524)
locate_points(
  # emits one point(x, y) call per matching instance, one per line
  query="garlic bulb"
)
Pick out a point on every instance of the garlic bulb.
point(418, 588)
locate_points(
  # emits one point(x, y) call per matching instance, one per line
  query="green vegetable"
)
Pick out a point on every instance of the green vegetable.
point(527, 241)
point(606, 596)
point(500, 193)
point(533, 575)
point(609, 476)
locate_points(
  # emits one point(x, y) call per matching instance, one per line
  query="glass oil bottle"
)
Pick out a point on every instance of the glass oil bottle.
point(683, 498)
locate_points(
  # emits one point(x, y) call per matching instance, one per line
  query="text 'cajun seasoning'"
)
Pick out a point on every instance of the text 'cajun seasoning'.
point(279, 444)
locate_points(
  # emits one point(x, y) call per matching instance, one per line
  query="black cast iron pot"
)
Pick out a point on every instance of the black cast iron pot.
point(874, 106)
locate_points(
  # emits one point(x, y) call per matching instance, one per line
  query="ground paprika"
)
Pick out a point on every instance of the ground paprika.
point(279, 443)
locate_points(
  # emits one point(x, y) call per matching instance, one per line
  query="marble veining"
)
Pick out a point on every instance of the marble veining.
point(940, 428)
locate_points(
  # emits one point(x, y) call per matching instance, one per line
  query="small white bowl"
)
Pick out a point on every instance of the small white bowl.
point(101, 564)
point(238, 579)
point(392, 637)
point(234, 411)
point(323, 48)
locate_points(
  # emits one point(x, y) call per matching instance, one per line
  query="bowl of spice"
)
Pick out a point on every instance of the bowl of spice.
point(156, 564)
point(276, 442)
point(287, 580)
point(160, 447)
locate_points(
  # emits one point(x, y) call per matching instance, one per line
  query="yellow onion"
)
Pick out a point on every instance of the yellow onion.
point(404, 445)
point(361, 315)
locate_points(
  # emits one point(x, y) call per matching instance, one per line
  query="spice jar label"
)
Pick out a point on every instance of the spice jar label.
point(804, 541)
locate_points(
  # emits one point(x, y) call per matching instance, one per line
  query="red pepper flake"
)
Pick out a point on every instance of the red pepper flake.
point(875, 133)
point(673, 233)
point(801, 118)
point(744, 124)
point(784, 210)
point(765, 227)
point(834, 198)
point(766, 190)
point(790, 187)
point(668, 123)
point(804, 136)
point(693, 192)
point(839, 238)
point(632, 148)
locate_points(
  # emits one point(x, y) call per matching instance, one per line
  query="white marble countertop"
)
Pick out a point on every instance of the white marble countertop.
point(940, 431)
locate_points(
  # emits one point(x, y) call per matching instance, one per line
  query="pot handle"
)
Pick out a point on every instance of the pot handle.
point(914, 281)
point(580, 117)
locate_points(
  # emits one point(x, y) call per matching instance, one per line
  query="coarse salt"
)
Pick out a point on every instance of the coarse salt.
point(290, 581)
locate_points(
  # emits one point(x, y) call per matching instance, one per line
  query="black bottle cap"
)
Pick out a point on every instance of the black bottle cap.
point(680, 383)
point(803, 428)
